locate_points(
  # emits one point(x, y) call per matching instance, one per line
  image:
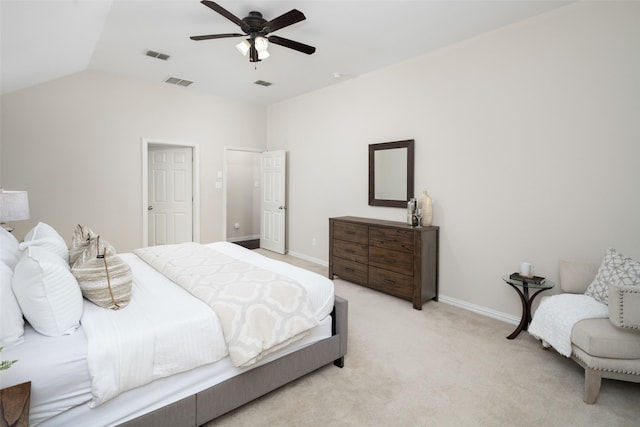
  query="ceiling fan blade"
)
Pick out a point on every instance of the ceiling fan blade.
point(291, 44)
point(284, 20)
point(222, 11)
point(216, 36)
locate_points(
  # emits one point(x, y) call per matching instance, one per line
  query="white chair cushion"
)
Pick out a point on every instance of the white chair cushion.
point(47, 292)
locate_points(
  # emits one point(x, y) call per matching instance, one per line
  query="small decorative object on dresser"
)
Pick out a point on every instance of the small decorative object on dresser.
point(391, 257)
point(427, 209)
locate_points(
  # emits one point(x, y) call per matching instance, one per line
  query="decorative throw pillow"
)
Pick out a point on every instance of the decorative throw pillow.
point(10, 251)
point(104, 278)
point(47, 292)
point(615, 268)
point(79, 242)
point(45, 236)
point(11, 321)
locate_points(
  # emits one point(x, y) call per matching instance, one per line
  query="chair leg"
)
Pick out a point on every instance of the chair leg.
point(592, 381)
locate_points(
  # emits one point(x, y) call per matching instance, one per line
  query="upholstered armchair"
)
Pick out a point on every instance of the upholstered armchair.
point(607, 345)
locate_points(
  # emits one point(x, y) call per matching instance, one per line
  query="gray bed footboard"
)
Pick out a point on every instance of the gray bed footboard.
point(235, 392)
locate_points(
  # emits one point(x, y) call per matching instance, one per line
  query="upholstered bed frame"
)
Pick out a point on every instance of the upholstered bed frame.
point(211, 403)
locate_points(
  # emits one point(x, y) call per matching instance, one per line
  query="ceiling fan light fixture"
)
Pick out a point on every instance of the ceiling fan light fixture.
point(257, 28)
point(243, 47)
point(261, 44)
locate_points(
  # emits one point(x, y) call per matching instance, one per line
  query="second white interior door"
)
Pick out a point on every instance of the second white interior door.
point(273, 220)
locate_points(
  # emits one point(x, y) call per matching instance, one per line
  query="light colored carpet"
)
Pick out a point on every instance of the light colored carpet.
point(442, 366)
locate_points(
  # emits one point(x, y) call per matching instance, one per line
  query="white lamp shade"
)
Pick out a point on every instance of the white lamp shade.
point(263, 54)
point(261, 44)
point(14, 205)
point(243, 47)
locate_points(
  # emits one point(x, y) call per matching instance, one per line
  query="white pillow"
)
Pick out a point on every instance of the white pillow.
point(47, 292)
point(9, 248)
point(44, 235)
point(11, 321)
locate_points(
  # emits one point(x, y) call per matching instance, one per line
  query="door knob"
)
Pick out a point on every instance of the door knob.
point(150, 208)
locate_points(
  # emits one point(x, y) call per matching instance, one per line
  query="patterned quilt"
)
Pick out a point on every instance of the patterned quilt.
point(260, 311)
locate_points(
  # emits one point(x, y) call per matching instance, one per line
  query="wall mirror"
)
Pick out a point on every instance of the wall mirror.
point(391, 173)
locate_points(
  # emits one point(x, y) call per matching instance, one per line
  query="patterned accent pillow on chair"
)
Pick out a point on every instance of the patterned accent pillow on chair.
point(615, 268)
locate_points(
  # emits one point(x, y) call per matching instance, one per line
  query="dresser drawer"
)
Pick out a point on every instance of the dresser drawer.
point(351, 251)
point(388, 259)
point(396, 284)
point(397, 240)
point(356, 233)
point(349, 270)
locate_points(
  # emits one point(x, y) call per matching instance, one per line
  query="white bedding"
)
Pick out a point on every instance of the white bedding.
point(319, 288)
point(163, 331)
point(260, 311)
point(165, 391)
point(57, 368)
point(59, 372)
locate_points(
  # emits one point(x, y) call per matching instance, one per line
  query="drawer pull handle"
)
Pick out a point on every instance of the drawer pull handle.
point(390, 261)
point(389, 281)
point(349, 251)
point(350, 270)
point(350, 232)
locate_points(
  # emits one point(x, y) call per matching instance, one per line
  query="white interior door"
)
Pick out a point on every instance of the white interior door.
point(170, 195)
point(273, 218)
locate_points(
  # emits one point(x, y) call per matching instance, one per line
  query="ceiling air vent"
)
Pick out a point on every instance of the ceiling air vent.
point(158, 55)
point(262, 83)
point(177, 81)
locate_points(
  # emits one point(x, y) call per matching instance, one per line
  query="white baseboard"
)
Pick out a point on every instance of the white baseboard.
point(480, 310)
point(308, 258)
point(243, 238)
point(508, 318)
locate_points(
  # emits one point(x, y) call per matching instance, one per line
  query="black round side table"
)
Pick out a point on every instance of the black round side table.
point(522, 288)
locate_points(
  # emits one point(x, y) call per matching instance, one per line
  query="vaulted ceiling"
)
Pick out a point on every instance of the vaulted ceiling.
point(45, 40)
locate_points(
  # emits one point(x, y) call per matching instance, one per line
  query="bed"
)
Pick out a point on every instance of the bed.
point(173, 392)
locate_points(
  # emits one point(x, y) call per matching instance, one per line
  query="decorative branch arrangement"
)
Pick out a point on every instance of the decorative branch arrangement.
point(6, 364)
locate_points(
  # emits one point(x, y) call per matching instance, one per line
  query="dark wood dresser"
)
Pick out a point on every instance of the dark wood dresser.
point(388, 256)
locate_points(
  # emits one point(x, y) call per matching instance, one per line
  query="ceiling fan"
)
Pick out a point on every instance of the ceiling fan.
point(257, 28)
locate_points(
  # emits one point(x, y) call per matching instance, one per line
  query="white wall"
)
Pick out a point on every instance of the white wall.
point(243, 195)
point(527, 139)
point(75, 145)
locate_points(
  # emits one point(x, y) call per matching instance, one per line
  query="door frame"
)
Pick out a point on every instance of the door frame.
point(195, 211)
point(225, 193)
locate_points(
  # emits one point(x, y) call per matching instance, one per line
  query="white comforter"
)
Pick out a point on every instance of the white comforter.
point(163, 331)
point(556, 315)
point(260, 310)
